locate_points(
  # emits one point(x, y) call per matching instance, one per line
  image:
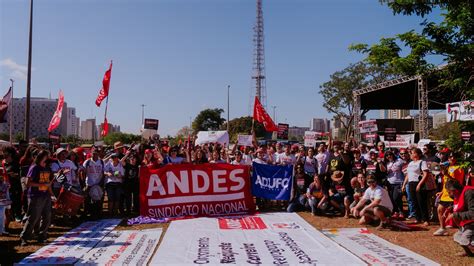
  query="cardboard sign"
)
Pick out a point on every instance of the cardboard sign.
point(244, 140)
point(401, 141)
point(264, 239)
point(310, 138)
point(368, 126)
point(283, 131)
point(195, 190)
point(204, 137)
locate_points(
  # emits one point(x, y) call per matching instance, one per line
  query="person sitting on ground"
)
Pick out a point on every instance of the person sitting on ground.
point(340, 199)
point(463, 215)
point(380, 207)
point(317, 196)
point(360, 186)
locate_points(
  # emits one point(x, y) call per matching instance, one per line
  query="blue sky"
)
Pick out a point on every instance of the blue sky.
point(178, 56)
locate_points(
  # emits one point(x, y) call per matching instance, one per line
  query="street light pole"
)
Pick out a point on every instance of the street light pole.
point(143, 113)
point(228, 104)
point(11, 113)
point(28, 81)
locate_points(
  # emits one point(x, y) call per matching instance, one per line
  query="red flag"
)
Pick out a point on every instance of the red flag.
point(261, 116)
point(105, 128)
point(4, 103)
point(57, 115)
point(104, 92)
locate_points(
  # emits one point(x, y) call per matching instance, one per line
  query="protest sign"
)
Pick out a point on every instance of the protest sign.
point(423, 142)
point(204, 137)
point(368, 126)
point(310, 138)
point(67, 249)
point(264, 239)
point(244, 140)
point(195, 190)
point(272, 181)
point(283, 131)
point(462, 111)
point(151, 123)
point(130, 247)
point(373, 249)
point(402, 141)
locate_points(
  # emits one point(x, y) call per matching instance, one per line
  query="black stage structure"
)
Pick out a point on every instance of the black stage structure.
point(405, 93)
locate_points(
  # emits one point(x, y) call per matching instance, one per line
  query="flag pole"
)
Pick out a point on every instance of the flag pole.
point(107, 99)
point(11, 113)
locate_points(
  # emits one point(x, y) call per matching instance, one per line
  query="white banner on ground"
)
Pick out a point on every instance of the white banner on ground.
point(131, 247)
point(266, 239)
point(403, 141)
point(204, 137)
point(244, 140)
point(67, 249)
point(373, 249)
point(463, 111)
point(368, 126)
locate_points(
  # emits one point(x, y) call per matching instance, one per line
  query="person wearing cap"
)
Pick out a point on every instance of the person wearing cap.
point(114, 173)
point(118, 149)
point(379, 208)
point(449, 171)
point(94, 171)
point(340, 194)
point(66, 167)
point(260, 157)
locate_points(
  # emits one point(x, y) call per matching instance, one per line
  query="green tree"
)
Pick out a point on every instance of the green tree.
point(5, 136)
point(123, 137)
point(408, 53)
point(243, 125)
point(337, 92)
point(208, 119)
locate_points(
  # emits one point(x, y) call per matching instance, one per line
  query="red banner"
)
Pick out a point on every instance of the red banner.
point(195, 190)
point(56, 120)
point(104, 92)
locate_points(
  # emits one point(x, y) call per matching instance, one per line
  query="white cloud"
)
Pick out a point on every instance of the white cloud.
point(17, 71)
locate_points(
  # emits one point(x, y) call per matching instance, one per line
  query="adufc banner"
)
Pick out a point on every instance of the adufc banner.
point(264, 239)
point(127, 247)
point(373, 249)
point(272, 181)
point(195, 190)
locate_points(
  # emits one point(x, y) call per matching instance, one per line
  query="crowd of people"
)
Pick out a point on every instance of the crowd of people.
point(360, 181)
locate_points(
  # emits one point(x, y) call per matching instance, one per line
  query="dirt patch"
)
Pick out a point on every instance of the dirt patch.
point(440, 249)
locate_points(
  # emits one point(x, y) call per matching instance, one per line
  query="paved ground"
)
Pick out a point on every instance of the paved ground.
point(441, 249)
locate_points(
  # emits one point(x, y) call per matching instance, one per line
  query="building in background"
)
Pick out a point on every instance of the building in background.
point(416, 119)
point(88, 129)
point(394, 114)
point(73, 122)
point(42, 110)
point(297, 132)
point(439, 119)
point(321, 125)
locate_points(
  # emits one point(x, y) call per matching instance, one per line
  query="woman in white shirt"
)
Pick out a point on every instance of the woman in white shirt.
point(417, 172)
point(114, 173)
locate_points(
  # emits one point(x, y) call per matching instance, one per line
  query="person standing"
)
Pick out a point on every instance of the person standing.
point(40, 196)
point(417, 172)
point(114, 173)
point(395, 179)
point(94, 171)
